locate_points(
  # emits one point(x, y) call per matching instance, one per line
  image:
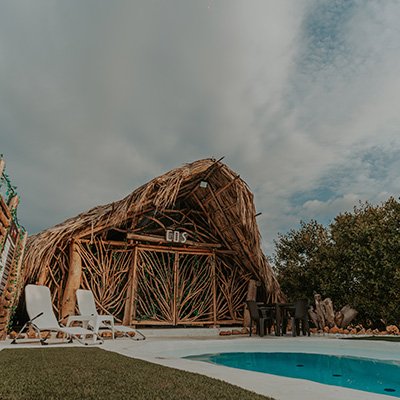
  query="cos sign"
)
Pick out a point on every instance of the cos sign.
point(175, 236)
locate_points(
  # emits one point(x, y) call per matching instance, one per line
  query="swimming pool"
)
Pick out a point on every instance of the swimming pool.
point(376, 376)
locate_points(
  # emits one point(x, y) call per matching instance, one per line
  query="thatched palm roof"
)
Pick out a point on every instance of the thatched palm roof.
point(228, 206)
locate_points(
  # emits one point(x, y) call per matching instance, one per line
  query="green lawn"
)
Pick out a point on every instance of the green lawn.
point(81, 373)
point(381, 338)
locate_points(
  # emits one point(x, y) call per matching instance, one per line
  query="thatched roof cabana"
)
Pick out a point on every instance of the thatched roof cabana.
point(180, 249)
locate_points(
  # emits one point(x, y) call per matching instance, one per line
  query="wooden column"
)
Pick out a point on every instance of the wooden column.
point(130, 309)
point(2, 166)
point(13, 203)
point(44, 272)
point(251, 295)
point(174, 306)
point(12, 288)
point(73, 281)
point(214, 288)
point(21, 257)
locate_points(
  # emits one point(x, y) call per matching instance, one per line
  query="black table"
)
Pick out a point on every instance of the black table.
point(267, 311)
point(283, 312)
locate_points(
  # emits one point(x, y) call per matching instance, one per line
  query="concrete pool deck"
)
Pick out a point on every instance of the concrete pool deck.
point(167, 347)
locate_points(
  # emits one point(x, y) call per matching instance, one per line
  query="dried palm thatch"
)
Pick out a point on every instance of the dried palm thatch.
point(118, 247)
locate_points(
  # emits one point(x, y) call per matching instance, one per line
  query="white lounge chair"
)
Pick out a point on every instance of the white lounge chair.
point(42, 318)
point(87, 306)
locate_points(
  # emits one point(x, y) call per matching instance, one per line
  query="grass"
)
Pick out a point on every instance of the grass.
point(82, 373)
point(381, 338)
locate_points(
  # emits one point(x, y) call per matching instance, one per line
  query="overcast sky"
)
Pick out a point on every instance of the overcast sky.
point(301, 97)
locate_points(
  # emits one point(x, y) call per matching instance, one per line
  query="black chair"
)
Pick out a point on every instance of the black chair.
point(261, 316)
point(301, 318)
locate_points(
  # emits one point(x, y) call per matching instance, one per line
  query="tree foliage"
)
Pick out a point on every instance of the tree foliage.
point(356, 261)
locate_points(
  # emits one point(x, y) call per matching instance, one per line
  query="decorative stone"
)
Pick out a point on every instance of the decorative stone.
point(334, 329)
point(392, 330)
point(359, 327)
point(12, 335)
point(45, 335)
point(31, 335)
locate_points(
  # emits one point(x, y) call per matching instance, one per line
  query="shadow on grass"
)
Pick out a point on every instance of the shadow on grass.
point(381, 338)
point(82, 373)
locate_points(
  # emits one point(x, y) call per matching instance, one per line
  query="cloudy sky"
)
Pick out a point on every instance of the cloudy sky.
point(301, 97)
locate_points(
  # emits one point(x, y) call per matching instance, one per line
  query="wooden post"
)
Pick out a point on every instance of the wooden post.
point(174, 305)
point(2, 166)
point(22, 247)
point(13, 203)
point(130, 308)
point(44, 271)
point(214, 288)
point(251, 295)
point(73, 281)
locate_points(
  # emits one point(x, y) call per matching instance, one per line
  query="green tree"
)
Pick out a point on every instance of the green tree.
point(300, 260)
point(365, 261)
point(355, 261)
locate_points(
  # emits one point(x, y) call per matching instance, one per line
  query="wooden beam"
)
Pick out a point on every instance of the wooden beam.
point(5, 208)
point(228, 222)
point(13, 203)
point(210, 221)
point(175, 298)
point(251, 295)
point(181, 250)
point(193, 323)
point(73, 281)
point(221, 190)
point(22, 251)
point(107, 242)
point(228, 252)
point(44, 272)
point(132, 289)
point(162, 240)
point(3, 219)
point(214, 288)
point(2, 166)
point(209, 171)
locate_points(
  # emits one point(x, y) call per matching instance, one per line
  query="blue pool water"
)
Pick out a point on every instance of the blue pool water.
point(366, 374)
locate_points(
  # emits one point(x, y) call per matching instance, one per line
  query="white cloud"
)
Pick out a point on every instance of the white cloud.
point(301, 97)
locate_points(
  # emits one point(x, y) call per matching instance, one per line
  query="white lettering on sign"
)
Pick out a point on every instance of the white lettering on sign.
point(169, 235)
point(175, 236)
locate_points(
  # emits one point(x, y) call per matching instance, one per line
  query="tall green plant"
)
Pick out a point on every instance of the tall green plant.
point(366, 261)
point(300, 259)
point(355, 261)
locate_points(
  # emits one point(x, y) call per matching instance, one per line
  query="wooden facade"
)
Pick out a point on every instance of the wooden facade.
point(12, 245)
point(179, 250)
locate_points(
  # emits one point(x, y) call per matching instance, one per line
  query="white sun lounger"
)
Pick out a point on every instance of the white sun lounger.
point(42, 318)
point(87, 306)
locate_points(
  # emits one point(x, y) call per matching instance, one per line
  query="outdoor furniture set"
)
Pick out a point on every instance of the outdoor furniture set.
point(42, 318)
point(277, 315)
